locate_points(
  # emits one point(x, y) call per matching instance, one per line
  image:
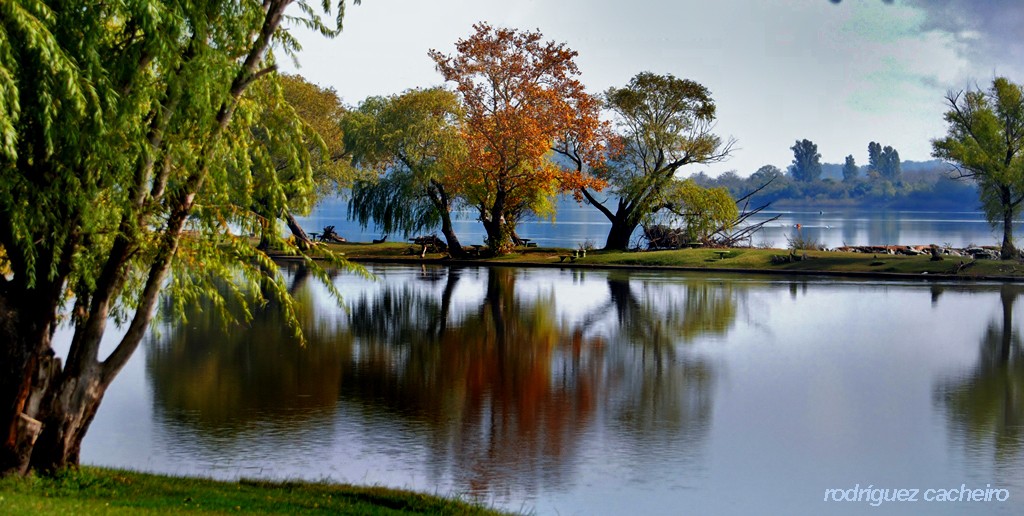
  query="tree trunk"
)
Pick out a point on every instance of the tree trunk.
point(25, 332)
point(454, 246)
point(619, 234)
point(1008, 251)
point(67, 411)
point(301, 238)
point(443, 204)
point(494, 224)
point(624, 223)
point(265, 228)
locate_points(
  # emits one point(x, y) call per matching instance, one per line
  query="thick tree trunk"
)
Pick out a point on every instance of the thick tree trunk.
point(66, 413)
point(21, 429)
point(454, 246)
point(619, 234)
point(623, 221)
point(25, 331)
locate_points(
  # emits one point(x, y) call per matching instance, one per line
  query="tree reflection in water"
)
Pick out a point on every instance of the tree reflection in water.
point(223, 376)
point(508, 389)
point(985, 408)
point(495, 386)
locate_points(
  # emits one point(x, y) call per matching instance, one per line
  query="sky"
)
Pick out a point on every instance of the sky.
point(839, 74)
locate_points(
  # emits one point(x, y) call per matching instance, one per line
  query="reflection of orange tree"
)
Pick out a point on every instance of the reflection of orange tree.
point(507, 390)
point(227, 374)
point(988, 404)
point(504, 391)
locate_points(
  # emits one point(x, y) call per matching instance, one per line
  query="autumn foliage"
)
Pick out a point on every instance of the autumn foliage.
point(522, 99)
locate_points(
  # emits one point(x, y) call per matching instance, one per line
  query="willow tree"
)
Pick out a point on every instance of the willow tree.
point(412, 146)
point(985, 143)
point(521, 96)
point(664, 123)
point(126, 158)
point(295, 108)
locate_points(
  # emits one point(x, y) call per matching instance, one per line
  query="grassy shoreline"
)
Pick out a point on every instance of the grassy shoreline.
point(736, 260)
point(93, 490)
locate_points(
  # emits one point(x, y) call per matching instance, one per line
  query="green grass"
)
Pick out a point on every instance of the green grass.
point(745, 259)
point(104, 491)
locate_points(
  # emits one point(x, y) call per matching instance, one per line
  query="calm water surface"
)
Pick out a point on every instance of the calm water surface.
point(570, 392)
point(831, 227)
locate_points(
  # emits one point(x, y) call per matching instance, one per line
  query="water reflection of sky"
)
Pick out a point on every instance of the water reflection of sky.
point(610, 392)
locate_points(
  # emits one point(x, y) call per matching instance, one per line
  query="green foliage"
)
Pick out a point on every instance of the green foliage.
point(874, 157)
point(702, 211)
point(765, 174)
point(668, 114)
point(664, 124)
point(806, 165)
point(394, 203)
point(984, 141)
point(321, 111)
point(889, 164)
point(407, 145)
point(850, 170)
point(129, 115)
point(883, 162)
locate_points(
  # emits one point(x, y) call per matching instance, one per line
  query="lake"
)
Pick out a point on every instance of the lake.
point(833, 227)
point(596, 392)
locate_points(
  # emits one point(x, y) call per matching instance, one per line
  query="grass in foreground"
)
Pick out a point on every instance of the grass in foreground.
point(104, 491)
point(746, 259)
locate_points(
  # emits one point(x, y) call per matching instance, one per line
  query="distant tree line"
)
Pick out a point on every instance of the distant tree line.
point(886, 182)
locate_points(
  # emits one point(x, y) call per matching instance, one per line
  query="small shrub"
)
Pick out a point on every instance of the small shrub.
point(804, 243)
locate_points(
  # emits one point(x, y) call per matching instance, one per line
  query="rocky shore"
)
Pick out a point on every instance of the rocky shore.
point(976, 252)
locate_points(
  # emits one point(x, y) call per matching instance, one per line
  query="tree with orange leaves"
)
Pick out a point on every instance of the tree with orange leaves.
point(522, 98)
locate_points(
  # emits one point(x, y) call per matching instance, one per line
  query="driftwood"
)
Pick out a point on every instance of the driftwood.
point(660, 236)
point(431, 244)
point(330, 236)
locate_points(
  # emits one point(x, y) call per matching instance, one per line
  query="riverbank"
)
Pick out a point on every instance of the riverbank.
point(736, 260)
point(105, 491)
